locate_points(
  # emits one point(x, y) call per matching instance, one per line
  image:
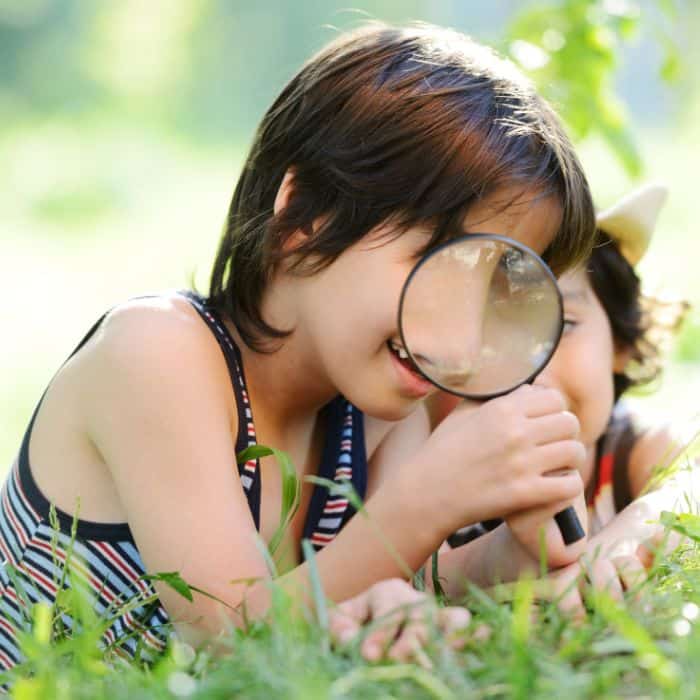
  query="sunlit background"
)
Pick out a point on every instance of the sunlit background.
point(123, 126)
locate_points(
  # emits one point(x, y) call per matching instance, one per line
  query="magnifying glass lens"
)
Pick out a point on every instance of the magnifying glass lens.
point(480, 315)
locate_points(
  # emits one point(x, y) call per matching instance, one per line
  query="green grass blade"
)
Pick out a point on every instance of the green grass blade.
point(291, 487)
point(347, 490)
point(317, 590)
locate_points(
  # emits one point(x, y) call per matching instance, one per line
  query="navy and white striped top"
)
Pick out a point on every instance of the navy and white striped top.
point(105, 557)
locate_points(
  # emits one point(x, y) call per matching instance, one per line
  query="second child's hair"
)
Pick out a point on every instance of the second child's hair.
point(640, 323)
point(403, 125)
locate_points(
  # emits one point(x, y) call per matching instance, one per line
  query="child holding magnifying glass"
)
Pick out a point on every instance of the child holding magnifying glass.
point(612, 341)
point(386, 143)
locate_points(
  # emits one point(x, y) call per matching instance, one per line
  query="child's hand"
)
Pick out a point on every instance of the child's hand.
point(615, 567)
point(501, 458)
point(402, 621)
point(525, 526)
point(569, 586)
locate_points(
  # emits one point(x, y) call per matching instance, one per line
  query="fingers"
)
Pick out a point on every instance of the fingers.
point(412, 639)
point(563, 487)
point(403, 622)
point(603, 576)
point(557, 455)
point(632, 574)
point(346, 619)
point(392, 602)
point(453, 623)
point(540, 401)
point(615, 576)
point(555, 427)
point(566, 592)
point(663, 542)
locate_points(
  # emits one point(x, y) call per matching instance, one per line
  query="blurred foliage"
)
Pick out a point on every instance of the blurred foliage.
point(688, 345)
point(124, 124)
point(572, 49)
point(185, 66)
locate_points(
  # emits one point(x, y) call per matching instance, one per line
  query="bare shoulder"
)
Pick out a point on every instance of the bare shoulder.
point(164, 326)
point(155, 351)
point(655, 448)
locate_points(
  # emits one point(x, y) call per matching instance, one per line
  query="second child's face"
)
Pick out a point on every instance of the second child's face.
point(347, 313)
point(582, 366)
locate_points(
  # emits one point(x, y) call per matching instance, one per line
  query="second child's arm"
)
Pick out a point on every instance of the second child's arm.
point(679, 492)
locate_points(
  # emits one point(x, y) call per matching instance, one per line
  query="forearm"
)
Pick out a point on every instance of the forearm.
point(392, 537)
point(492, 558)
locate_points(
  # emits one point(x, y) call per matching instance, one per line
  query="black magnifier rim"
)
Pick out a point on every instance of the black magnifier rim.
point(513, 244)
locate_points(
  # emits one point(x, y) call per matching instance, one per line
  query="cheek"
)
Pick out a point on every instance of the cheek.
point(359, 306)
point(594, 400)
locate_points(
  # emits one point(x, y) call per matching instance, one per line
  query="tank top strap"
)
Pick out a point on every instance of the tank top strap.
point(344, 470)
point(249, 470)
point(610, 489)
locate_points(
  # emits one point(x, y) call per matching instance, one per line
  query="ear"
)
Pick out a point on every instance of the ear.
point(284, 193)
point(282, 199)
point(621, 358)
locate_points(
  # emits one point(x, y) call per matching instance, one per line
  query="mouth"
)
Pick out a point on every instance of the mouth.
point(413, 384)
point(401, 354)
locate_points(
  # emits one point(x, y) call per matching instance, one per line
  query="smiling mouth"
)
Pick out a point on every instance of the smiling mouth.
point(402, 356)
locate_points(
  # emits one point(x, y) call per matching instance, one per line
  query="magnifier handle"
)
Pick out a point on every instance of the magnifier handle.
point(569, 525)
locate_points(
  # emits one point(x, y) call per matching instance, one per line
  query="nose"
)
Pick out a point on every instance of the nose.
point(450, 345)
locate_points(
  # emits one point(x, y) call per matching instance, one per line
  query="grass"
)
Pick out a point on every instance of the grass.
point(85, 236)
point(647, 648)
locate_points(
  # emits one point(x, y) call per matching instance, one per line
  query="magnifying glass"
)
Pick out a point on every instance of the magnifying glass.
point(479, 316)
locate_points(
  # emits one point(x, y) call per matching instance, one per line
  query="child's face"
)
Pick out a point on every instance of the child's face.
point(582, 366)
point(347, 313)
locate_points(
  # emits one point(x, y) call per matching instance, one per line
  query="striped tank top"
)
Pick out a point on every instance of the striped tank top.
point(37, 539)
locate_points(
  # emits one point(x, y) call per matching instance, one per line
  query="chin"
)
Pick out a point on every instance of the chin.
point(390, 410)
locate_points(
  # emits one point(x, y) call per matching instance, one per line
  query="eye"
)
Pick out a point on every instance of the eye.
point(510, 260)
point(569, 325)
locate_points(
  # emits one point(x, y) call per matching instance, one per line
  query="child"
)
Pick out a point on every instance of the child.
point(611, 341)
point(384, 144)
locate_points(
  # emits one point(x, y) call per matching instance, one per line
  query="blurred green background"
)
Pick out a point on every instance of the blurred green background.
point(123, 125)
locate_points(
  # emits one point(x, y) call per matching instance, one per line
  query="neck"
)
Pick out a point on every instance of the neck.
point(287, 388)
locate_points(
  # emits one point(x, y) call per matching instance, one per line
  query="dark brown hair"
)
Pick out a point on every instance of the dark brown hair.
point(408, 125)
point(641, 323)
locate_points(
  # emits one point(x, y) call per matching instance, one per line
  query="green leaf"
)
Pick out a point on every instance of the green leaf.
point(253, 452)
point(317, 590)
point(174, 580)
point(662, 670)
point(437, 586)
point(686, 524)
point(291, 487)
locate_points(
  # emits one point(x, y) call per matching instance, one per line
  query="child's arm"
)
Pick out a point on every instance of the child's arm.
point(679, 492)
point(632, 530)
point(496, 556)
point(159, 408)
point(499, 556)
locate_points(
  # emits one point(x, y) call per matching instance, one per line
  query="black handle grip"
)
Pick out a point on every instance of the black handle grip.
point(569, 525)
